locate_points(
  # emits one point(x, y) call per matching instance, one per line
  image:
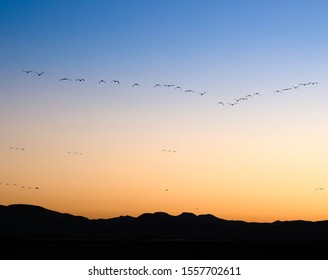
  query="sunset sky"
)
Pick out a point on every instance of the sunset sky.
point(259, 160)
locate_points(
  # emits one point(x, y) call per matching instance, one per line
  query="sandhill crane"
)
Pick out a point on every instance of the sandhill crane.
point(202, 93)
point(157, 85)
point(39, 74)
point(256, 93)
point(220, 103)
point(178, 87)
point(101, 81)
point(65, 79)
point(115, 81)
point(189, 90)
point(80, 80)
point(27, 71)
point(135, 84)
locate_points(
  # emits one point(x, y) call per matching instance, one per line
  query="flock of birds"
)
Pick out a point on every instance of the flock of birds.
point(177, 87)
point(250, 96)
point(24, 149)
point(19, 186)
point(169, 151)
point(17, 148)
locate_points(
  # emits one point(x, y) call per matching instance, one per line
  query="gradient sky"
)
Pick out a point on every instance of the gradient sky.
point(260, 160)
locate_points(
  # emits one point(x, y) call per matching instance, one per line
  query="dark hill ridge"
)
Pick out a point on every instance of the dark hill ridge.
point(27, 221)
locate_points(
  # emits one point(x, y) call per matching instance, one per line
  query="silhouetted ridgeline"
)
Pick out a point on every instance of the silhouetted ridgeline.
point(27, 221)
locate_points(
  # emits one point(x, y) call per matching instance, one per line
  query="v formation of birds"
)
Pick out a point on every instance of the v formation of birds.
point(177, 87)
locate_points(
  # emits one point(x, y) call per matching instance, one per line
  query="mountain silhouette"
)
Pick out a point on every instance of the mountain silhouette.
point(33, 228)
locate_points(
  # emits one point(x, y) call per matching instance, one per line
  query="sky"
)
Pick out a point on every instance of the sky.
point(103, 150)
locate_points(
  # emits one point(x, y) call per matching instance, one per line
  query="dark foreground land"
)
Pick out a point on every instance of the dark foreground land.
point(162, 249)
point(33, 232)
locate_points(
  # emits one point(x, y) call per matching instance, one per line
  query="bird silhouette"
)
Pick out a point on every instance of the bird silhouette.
point(39, 74)
point(65, 79)
point(168, 85)
point(115, 81)
point(101, 81)
point(157, 85)
point(135, 84)
point(202, 93)
point(37, 188)
point(178, 87)
point(80, 80)
point(220, 103)
point(189, 90)
point(27, 71)
point(256, 93)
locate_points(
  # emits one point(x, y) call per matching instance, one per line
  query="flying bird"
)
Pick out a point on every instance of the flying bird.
point(157, 85)
point(37, 188)
point(256, 93)
point(168, 85)
point(80, 80)
point(220, 103)
point(189, 90)
point(135, 84)
point(27, 71)
point(65, 79)
point(115, 81)
point(39, 74)
point(178, 87)
point(202, 93)
point(101, 81)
